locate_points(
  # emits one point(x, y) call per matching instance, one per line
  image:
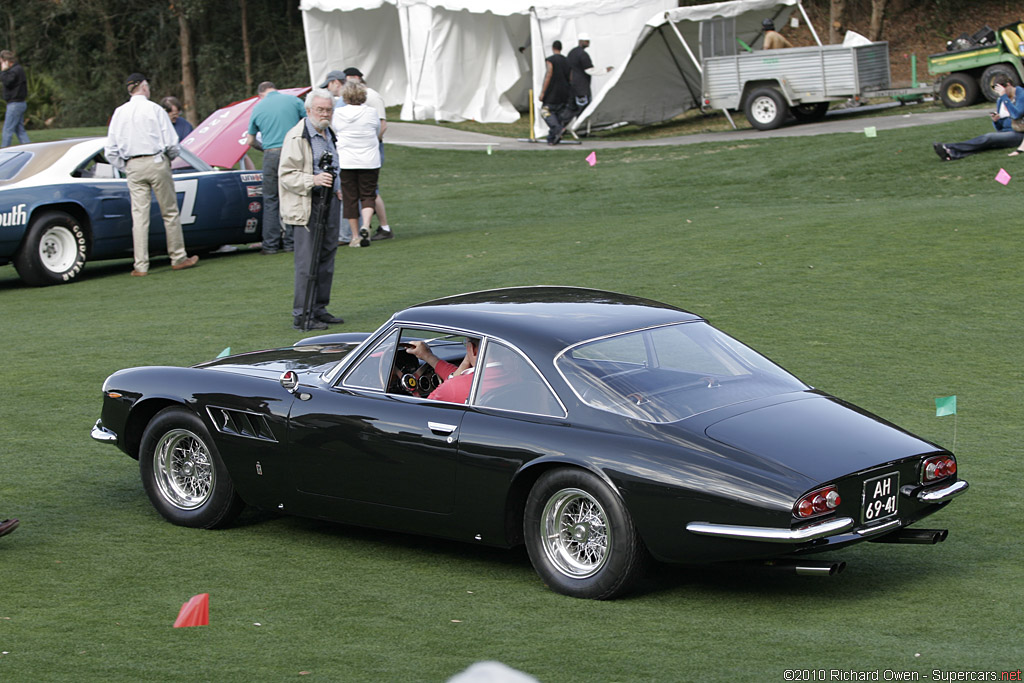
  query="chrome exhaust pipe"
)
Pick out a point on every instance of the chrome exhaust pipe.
point(915, 536)
point(806, 567)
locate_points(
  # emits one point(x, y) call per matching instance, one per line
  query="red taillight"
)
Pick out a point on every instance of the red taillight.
point(937, 467)
point(817, 502)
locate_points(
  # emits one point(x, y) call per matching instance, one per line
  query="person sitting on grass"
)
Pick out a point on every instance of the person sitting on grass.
point(1009, 106)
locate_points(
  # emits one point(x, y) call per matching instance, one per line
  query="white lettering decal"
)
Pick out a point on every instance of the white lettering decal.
point(188, 203)
point(15, 216)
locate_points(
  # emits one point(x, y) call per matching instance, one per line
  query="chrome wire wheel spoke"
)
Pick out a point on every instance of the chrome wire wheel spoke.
point(575, 530)
point(183, 469)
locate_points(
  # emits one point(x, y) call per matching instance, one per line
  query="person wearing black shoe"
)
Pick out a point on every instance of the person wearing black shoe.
point(308, 145)
point(1009, 108)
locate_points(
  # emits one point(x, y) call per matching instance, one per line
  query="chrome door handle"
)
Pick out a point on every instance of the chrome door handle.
point(441, 428)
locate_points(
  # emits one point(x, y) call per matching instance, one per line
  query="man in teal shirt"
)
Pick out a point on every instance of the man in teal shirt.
point(273, 116)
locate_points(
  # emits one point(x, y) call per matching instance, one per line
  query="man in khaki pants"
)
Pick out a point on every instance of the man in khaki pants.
point(142, 141)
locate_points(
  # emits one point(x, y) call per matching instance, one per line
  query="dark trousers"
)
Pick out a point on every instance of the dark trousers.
point(994, 140)
point(275, 234)
point(558, 116)
point(304, 257)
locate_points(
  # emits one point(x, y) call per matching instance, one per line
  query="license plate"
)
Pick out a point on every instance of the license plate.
point(881, 497)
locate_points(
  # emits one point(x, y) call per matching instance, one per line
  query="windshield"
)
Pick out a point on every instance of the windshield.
point(669, 373)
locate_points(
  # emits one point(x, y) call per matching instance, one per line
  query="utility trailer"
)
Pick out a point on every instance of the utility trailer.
point(768, 84)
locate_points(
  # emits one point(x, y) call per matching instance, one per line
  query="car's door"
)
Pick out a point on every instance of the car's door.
point(357, 443)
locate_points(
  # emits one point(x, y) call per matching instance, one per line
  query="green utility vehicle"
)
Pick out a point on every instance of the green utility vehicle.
point(973, 62)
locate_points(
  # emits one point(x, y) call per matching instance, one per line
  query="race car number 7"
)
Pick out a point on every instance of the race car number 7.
point(189, 188)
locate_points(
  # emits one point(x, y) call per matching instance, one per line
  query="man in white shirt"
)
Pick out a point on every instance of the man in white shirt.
point(141, 140)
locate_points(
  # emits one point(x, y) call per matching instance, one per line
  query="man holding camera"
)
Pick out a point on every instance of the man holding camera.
point(309, 161)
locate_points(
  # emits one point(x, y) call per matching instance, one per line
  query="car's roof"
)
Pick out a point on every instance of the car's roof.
point(44, 155)
point(550, 316)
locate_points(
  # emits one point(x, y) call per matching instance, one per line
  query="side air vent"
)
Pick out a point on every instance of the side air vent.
point(240, 423)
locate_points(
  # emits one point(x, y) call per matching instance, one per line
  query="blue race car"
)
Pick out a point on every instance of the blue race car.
point(62, 204)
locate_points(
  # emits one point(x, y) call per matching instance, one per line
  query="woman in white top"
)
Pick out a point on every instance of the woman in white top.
point(358, 129)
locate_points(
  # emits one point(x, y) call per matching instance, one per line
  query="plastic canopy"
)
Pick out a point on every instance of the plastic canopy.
point(465, 59)
point(661, 78)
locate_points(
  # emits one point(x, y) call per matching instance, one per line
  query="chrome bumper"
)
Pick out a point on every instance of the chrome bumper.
point(943, 494)
point(771, 534)
point(102, 434)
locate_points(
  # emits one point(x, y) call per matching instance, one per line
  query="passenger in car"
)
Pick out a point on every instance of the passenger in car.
point(455, 381)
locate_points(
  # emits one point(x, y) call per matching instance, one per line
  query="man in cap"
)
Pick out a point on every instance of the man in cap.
point(580, 71)
point(142, 141)
point(334, 82)
point(773, 40)
point(274, 115)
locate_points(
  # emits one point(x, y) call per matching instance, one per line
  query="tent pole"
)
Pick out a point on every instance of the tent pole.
point(533, 136)
point(809, 24)
point(694, 60)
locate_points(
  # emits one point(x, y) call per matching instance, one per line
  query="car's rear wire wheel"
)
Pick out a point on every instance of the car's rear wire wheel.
point(183, 474)
point(580, 536)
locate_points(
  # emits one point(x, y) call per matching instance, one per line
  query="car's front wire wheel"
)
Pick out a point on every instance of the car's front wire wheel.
point(183, 474)
point(580, 537)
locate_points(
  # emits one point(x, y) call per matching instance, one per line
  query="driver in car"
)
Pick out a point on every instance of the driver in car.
point(455, 381)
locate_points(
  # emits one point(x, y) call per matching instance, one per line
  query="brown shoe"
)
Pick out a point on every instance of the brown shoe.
point(139, 273)
point(7, 526)
point(187, 263)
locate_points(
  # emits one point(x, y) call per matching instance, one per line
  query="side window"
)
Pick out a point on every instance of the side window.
point(507, 381)
point(373, 370)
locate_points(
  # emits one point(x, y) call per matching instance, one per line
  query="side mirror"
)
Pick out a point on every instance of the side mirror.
point(290, 381)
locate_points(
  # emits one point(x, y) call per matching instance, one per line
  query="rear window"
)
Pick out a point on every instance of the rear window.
point(12, 161)
point(669, 373)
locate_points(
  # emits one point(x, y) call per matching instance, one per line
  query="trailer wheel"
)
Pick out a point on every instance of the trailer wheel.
point(807, 113)
point(958, 90)
point(765, 109)
point(988, 78)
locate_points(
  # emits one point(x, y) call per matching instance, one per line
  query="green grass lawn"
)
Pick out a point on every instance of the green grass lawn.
point(865, 266)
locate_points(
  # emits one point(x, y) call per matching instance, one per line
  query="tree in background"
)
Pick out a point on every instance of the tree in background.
point(191, 49)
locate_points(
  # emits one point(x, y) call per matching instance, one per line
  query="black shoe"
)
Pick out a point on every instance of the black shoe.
point(288, 250)
point(364, 237)
point(326, 317)
point(382, 235)
point(941, 150)
point(313, 324)
point(268, 251)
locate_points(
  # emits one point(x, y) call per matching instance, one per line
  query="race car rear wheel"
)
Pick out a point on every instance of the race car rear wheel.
point(183, 474)
point(53, 251)
point(580, 537)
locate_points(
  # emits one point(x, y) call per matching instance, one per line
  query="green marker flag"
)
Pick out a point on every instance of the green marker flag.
point(946, 405)
point(227, 352)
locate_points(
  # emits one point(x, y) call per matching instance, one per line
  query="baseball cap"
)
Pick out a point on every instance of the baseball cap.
point(134, 79)
point(583, 36)
point(352, 71)
point(334, 75)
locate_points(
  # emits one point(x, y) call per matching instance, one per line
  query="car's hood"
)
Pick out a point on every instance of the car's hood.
point(315, 358)
point(821, 437)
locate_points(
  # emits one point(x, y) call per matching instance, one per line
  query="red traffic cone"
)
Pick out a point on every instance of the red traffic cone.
point(195, 612)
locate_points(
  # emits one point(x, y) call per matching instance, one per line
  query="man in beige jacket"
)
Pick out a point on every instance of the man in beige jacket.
point(305, 146)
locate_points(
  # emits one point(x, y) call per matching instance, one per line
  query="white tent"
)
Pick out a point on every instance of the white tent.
point(464, 59)
point(662, 77)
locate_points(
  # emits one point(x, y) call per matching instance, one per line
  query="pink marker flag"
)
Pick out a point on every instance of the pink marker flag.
point(592, 158)
point(1003, 177)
